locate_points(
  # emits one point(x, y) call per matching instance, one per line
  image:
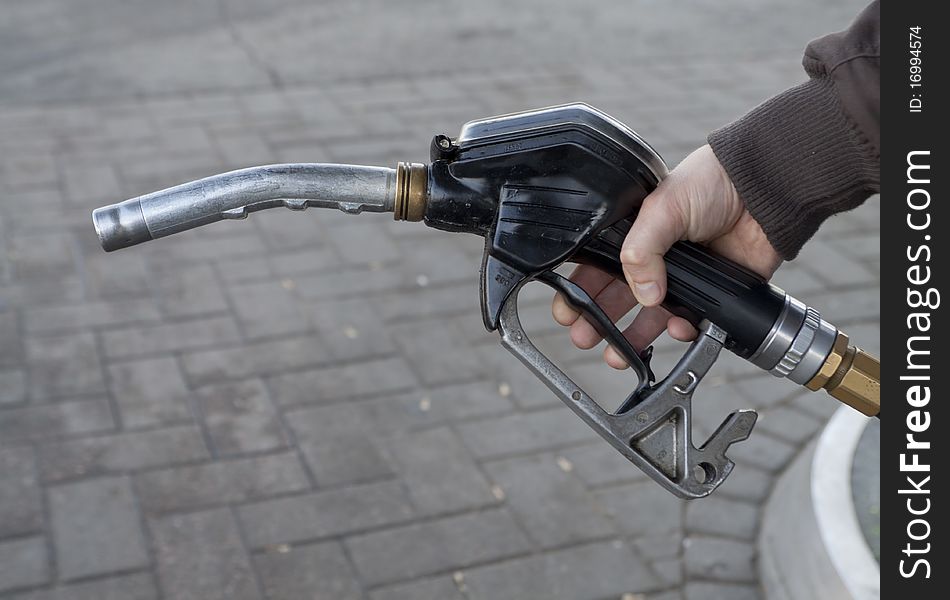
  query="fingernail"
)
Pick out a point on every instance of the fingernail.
point(647, 293)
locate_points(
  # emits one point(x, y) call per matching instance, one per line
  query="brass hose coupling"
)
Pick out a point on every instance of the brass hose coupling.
point(852, 376)
point(412, 183)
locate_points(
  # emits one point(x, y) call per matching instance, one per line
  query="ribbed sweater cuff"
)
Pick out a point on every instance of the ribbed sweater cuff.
point(796, 160)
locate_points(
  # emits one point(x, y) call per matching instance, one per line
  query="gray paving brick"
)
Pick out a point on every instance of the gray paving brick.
point(267, 309)
point(267, 105)
point(435, 588)
point(350, 328)
point(788, 424)
point(120, 453)
point(326, 513)
point(113, 276)
point(95, 526)
point(91, 183)
point(708, 590)
point(243, 149)
point(439, 473)
point(41, 292)
point(200, 556)
point(150, 392)
point(456, 301)
point(825, 258)
point(362, 242)
point(339, 445)
point(249, 360)
point(139, 586)
point(20, 499)
point(309, 146)
point(762, 451)
point(23, 563)
point(436, 351)
point(219, 482)
point(716, 401)
point(166, 168)
point(133, 342)
point(326, 384)
point(816, 404)
point(669, 571)
point(553, 505)
point(867, 336)
point(244, 270)
point(669, 595)
point(717, 515)
point(643, 508)
point(608, 570)
point(28, 170)
point(318, 571)
point(527, 432)
point(844, 307)
point(435, 406)
point(433, 546)
point(34, 422)
point(352, 282)
point(288, 264)
point(383, 149)
point(189, 290)
point(747, 483)
point(392, 414)
point(64, 365)
point(558, 347)
point(599, 464)
point(92, 314)
point(38, 207)
point(41, 255)
point(171, 112)
point(11, 351)
point(719, 559)
point(442, 260)
point(861, 245)
point(797, 280)
point(12, 386)
point(661, 546)
point(761, 391)
point(289, 231)
point(526, 390)
point(240, 418)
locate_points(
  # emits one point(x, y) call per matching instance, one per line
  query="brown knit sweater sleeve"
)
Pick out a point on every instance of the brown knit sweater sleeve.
point(814, 150)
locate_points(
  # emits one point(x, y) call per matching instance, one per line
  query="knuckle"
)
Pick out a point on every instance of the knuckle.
point(614, 360)
point(635, 256)
point(562, 313)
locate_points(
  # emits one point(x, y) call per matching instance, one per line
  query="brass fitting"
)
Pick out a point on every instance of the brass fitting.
point(852, 376)
point(412, 193)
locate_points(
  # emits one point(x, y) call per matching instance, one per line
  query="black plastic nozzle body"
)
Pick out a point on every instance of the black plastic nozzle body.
point(544, 196)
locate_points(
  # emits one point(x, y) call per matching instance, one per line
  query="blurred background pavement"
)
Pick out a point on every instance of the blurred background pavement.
point(305, 405)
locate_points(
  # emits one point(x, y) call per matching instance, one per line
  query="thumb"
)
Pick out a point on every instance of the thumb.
point(658, 226)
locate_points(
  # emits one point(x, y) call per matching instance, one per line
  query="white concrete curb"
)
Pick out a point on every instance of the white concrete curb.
point(810, 544)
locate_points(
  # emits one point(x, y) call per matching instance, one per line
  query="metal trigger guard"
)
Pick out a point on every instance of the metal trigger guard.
point(653, 427)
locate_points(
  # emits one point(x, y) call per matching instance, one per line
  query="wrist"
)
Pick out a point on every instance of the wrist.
point(794, 161)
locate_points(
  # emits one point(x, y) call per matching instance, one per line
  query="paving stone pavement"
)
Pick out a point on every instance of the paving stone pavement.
point(305, 405)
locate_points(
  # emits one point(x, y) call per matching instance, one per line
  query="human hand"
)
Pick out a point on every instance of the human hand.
point(695, 202)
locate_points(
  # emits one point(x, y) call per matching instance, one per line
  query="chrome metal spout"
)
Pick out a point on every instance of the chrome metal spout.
point(350, 188)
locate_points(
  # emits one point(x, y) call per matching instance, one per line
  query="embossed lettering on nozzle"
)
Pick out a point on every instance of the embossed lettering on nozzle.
point(350, 188)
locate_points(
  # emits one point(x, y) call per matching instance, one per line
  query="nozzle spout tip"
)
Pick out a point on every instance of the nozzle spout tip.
point(121, 225)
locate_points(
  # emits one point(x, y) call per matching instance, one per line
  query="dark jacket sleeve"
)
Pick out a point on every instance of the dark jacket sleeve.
point(814, 150)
